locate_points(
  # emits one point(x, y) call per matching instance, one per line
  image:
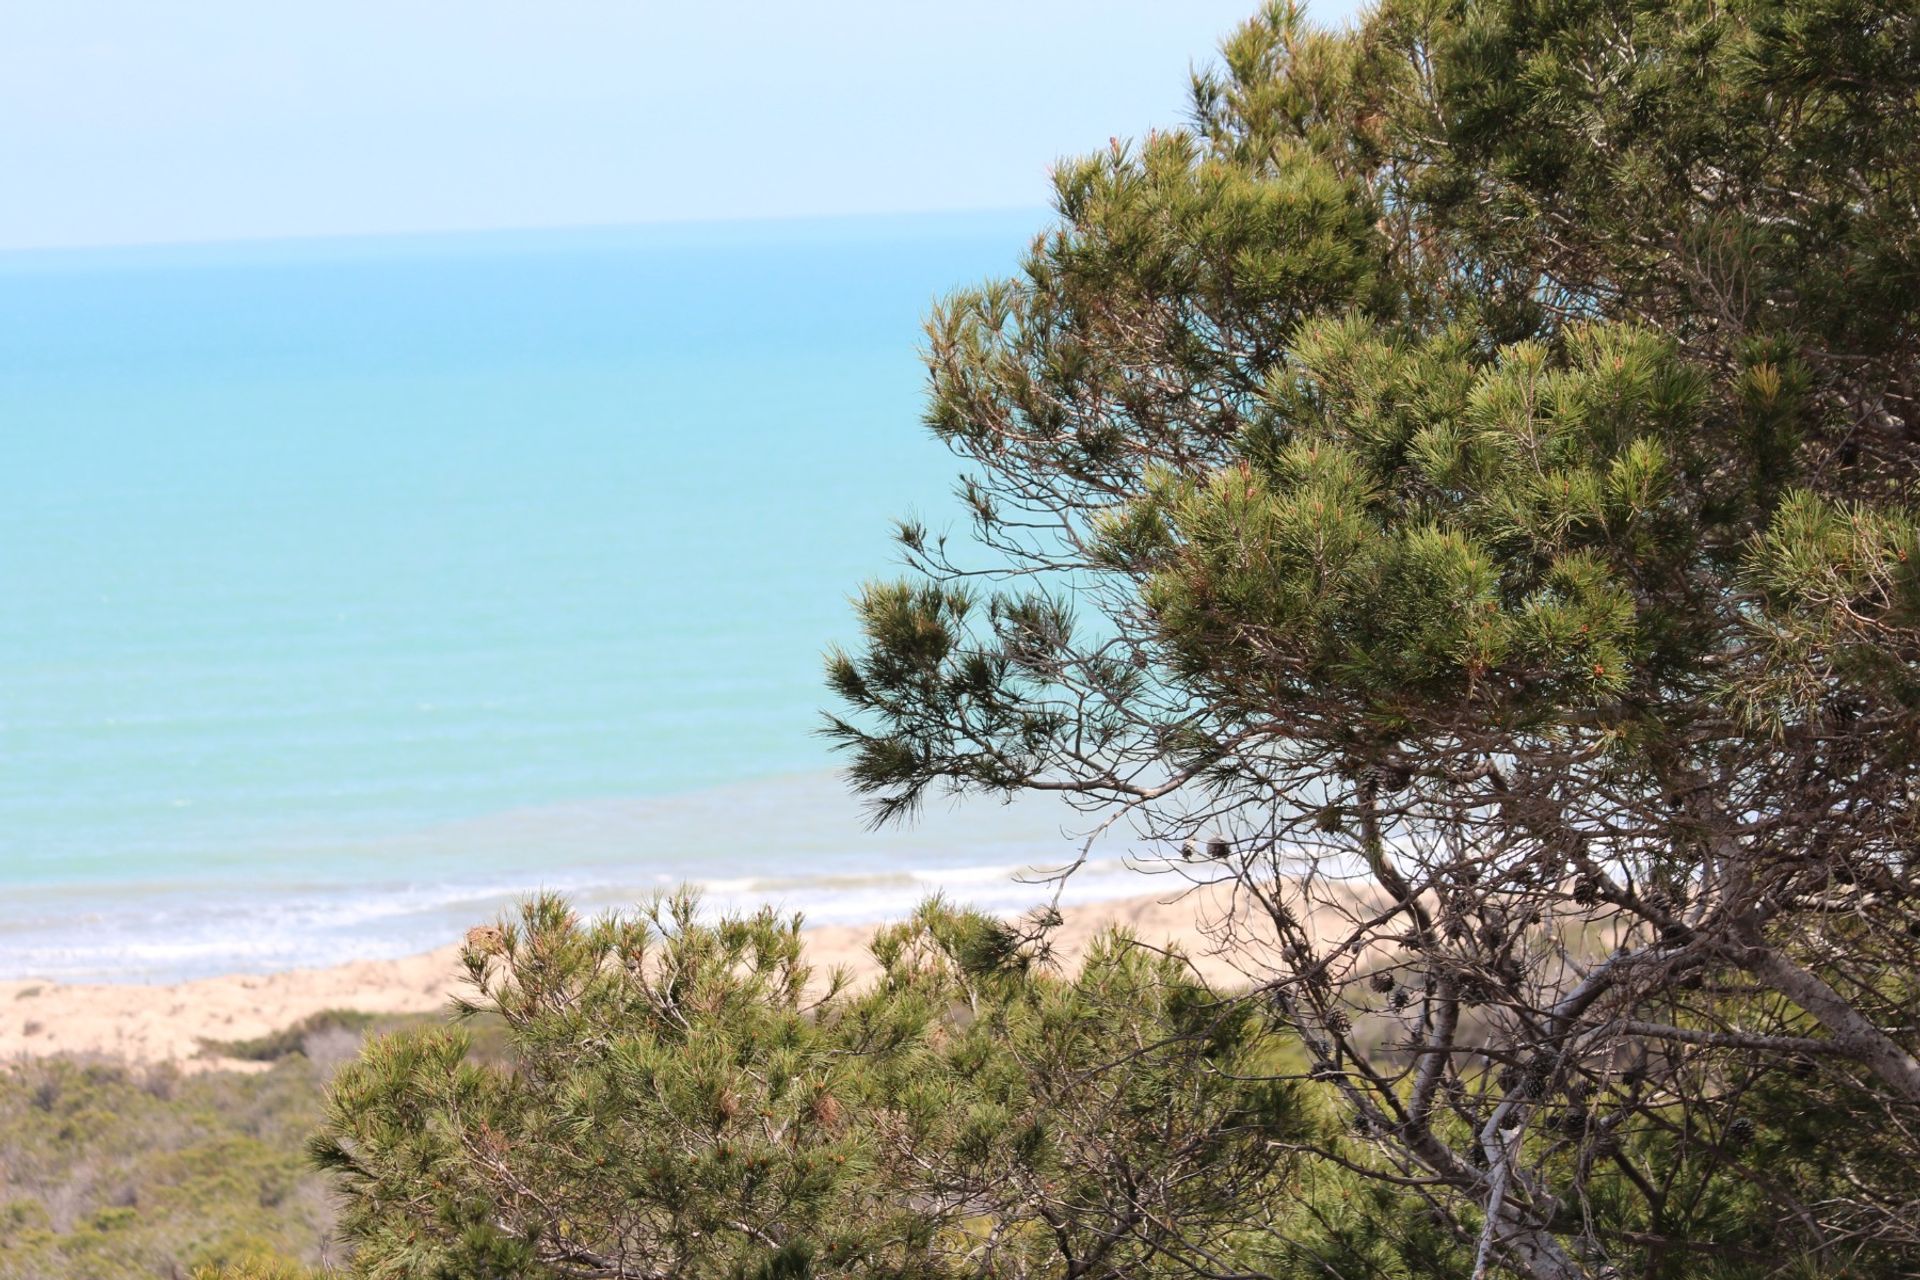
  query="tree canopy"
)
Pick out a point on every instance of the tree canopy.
point(1465, 482)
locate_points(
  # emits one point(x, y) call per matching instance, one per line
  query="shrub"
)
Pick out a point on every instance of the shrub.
point(682, 1098)
point(114, 1173)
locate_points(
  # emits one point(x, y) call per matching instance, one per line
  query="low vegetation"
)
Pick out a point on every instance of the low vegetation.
point(319, 1035)
point(113, 1173)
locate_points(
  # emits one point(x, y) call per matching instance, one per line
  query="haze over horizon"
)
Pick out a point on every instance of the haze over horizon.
point(131, 124)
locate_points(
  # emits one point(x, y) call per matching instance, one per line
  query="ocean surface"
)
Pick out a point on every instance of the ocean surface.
point(350, 589)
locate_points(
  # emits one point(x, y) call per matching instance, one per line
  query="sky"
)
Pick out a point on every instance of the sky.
point(132, 122)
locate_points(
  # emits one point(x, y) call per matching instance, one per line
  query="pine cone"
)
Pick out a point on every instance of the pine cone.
point(1400, 999)
point(1586, 891)
point(1740, 1133)
point(487, 940)
point(1381, 981)
point(1339, 1023)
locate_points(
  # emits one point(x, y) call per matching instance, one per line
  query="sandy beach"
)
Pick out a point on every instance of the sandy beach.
point(169, 1024)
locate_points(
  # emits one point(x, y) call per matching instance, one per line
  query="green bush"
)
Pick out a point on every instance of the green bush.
point(115, 1174)
point(276, 1045)
point(681, 1099)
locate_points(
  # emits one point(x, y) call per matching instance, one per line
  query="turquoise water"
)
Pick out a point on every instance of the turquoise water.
point(348, 589)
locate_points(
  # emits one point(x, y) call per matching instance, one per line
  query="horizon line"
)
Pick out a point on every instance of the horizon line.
point(349, 238)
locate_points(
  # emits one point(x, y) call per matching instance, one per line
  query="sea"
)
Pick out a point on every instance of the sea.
point(351, 590)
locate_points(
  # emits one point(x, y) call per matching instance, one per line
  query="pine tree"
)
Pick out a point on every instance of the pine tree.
point(675, 1096)
point(1479, 453)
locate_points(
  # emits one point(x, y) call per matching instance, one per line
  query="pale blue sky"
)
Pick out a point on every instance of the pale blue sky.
point(134, 121)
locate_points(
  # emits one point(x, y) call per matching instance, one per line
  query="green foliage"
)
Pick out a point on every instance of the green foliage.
point(256, 1267)
point(683, 1098)
point(1466, 485)
point(1469, 550)
point(276, 1045)
point(1491, 362)
point(113, 1174)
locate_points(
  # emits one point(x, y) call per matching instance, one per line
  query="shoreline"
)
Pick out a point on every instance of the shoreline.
point(166, 1024)
point(806, 847)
